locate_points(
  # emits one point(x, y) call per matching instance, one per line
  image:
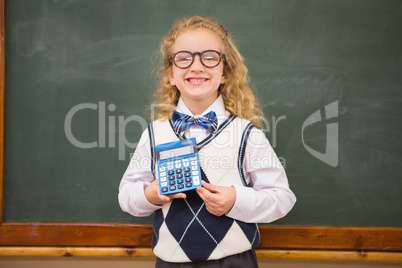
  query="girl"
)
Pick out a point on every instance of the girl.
point(204, 94)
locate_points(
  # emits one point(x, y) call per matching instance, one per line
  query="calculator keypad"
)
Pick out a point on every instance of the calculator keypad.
point(179, 175)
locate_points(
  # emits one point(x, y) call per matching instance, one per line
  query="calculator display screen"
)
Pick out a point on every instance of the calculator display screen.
point(176, 152)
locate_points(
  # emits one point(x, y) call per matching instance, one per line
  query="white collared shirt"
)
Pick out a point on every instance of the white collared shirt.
point(268, 200)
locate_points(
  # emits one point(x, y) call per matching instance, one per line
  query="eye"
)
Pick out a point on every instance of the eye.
point(210, 56)
point(183, 57)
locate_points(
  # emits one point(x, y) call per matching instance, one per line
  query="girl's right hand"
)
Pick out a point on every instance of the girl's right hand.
point(154, 196)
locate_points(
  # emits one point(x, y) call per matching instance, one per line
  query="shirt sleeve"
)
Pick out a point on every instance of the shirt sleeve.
point(270, 195)
point(136, 178)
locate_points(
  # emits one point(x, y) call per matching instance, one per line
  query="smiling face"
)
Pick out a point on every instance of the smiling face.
point(198, 85)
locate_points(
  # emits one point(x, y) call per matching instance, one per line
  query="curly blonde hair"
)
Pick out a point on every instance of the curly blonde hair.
point(237, 95)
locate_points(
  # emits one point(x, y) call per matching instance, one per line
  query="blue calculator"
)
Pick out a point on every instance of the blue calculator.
point(178, 166)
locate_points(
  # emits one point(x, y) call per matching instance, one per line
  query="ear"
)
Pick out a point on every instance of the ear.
point(223, 79)
point(171, 78)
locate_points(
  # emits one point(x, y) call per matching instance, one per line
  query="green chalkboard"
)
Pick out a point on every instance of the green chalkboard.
point(80, 74)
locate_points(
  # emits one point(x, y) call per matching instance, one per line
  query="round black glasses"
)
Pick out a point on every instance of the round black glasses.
point(209, 58)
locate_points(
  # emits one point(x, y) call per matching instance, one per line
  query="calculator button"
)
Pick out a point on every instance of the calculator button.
point(180, 181)
point(179, 170)
point(162, 179)
point(171, 177)
point(164, 190)
point(194, 168)
point(162, 169)
point(196, 180)
point(186, 164)
point(178, 166)
point(179, 176)
point(188, 179)
point(185, 160)
point(170, 163)
point(178, 161)
point(164, 184)
point(188, 184)
point(172, 188)
point(193, 158)
point(171, 172)
point(172, 182)
point(193, 163)
point(195, 173)
point(180, 186)
point(170, 167)
point(188, 174)
point(163, 174)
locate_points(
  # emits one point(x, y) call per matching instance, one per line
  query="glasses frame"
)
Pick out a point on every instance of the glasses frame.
point(221, 56)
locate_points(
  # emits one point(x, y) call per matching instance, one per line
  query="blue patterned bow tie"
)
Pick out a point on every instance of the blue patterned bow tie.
point(181, 122)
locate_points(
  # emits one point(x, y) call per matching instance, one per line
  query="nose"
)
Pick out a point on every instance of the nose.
point(197, 65)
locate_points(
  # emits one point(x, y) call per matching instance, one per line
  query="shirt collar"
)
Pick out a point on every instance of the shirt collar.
point(217, 106)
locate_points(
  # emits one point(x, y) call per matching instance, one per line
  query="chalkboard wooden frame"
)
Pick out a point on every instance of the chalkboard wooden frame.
point(300, 242)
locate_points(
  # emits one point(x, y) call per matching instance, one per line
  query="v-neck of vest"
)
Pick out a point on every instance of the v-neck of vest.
point(210, 137)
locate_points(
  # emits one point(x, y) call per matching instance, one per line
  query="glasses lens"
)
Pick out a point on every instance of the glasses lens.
point(210, 58)
point(183, 59)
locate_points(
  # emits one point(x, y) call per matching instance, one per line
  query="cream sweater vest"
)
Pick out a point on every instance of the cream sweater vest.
point(184, 230)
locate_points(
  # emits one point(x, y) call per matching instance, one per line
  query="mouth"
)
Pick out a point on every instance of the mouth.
point(196, 80)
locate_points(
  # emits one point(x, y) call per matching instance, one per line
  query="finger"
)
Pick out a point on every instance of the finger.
point(203, 198)
point(209, 204)
point(206, 195)
point(200, 191)
point(210, 187)
point(163, 198)
point(213, 210)
point(178, 195)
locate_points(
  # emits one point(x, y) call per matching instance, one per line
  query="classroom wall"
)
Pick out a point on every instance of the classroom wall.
point(81, 262)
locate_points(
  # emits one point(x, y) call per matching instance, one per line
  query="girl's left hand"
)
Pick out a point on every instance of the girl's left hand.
point(218, 199)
